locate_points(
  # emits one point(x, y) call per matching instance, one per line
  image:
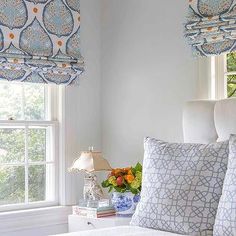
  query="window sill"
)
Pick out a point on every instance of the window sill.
point(27, 219)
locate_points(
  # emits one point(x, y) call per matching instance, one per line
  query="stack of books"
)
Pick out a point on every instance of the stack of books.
point(91, 212)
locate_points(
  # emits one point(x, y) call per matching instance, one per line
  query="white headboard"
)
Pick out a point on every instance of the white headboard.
point(206, 121)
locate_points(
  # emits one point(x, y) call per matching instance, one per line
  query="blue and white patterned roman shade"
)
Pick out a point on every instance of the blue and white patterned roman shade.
point(211, 26)
point(40, 41)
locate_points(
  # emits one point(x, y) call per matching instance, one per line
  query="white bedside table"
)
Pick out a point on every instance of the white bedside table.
point(78, 223)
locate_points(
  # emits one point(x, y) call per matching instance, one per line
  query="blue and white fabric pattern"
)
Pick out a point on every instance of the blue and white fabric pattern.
point(225, 223)
point(40, 41)
point(181, 187)
point(211, 26)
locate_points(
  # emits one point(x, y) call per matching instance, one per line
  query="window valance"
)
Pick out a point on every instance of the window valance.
point(211, 26)
point(40, 41)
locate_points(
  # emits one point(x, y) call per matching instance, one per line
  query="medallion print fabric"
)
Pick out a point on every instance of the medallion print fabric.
point(181, 187)
point(225, 223)
point(211, 26)
point(40, 41)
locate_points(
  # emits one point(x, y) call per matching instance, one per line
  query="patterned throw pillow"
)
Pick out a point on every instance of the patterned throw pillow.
point(225, 224)
point(181, 188)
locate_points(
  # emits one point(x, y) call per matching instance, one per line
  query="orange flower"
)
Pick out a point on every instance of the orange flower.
point(129, 178)
point(121, 171)
point(130, 172)
point(117, 172)
point(128, 168)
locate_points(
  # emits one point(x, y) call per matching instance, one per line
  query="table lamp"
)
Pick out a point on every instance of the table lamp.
point(90, 162)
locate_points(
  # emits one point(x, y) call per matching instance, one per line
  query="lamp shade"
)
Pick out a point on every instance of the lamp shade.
point(90, 162)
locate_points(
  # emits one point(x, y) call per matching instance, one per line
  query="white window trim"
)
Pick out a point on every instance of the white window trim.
point(67, 190)
point(204, 78)
point(210, 82)
point(62, 146)
point(220, 77)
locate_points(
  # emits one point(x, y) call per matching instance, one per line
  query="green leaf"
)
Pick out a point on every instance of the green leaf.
point(134, 191)
point(133, 170)
point(123, 190)
point(105, 184)
point(118, 189)
point(138, 167)
point(110, 189)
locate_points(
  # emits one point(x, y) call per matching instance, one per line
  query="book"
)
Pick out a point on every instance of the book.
point(94, 203)
point(93, 212)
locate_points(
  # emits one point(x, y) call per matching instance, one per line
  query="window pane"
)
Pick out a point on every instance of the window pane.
point(12, 185)
point(11, 101)
point(34, 102)
point(12, 145)
point(21, 101)
point(37, 185)
point(231, 62)
point(37, 144)
point(231, 85)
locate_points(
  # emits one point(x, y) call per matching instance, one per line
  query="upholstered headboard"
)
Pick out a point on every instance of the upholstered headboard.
point(206, 121)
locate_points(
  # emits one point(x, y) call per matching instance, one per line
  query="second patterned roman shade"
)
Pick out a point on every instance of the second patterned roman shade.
point(211, 26)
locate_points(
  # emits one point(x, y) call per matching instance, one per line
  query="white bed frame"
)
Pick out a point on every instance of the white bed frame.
point(206, 121)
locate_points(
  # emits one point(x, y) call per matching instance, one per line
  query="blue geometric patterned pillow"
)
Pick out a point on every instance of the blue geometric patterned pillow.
point(225, 224)
point(181, 187)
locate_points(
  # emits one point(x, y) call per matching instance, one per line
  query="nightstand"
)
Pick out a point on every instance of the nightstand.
point(78, 223)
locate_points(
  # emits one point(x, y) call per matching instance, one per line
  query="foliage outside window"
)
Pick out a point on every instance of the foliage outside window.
point(231, 74)
point(27, 164)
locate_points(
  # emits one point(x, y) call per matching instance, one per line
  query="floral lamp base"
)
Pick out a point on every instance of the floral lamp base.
point(125, 203)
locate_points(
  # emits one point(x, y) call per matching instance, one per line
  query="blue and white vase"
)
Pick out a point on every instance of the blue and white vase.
point(125, 203)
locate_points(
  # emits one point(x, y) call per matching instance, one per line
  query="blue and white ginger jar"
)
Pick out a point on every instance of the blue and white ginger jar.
point(125, 203)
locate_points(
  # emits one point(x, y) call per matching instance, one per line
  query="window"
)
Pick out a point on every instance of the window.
point(28, 160)
point(224, 76)
point(230, 75)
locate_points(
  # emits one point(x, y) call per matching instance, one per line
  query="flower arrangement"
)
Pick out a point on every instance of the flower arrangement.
point(125, 180)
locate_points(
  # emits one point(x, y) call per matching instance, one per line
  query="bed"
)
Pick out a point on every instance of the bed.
point(203, 122)
point(121, 231)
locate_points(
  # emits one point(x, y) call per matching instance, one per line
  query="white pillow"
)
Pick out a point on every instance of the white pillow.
point(225, 223)
point(181, 187)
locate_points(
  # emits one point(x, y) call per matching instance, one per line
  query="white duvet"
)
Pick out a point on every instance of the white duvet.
point(121, 231)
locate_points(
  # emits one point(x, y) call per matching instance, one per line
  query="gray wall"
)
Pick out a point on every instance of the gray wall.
point(147, 75)
point(87, 101)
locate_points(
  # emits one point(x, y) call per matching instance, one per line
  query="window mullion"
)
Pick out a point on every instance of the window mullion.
point(26, 165)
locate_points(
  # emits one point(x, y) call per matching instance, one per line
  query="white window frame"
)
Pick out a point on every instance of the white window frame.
point(67, 150)
point(212, 78)
point(220, 76)
point(53, 124)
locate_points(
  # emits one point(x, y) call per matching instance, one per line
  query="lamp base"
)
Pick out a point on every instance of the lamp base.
point(92, 190)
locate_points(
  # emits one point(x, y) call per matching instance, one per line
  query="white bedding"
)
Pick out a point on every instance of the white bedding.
point(121, 231)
